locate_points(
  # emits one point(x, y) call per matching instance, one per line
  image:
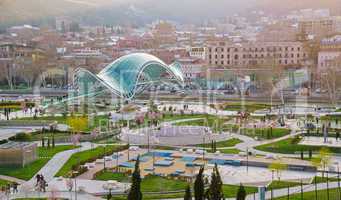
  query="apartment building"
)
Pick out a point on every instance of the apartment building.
point(320, 27)
point(330, 51)
point(251, 54)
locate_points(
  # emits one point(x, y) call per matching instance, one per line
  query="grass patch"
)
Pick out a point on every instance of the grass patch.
point(321, 195)
point(229, 151)
point(87, 156)
point(320, 179)
point(98, 120)
point(227, 143)
point(110, 175)
point(230, 191)
point(214, 122)
point(290, 146)
point(282, 184)
point(27, 172)
point(249, 107)
point(159, 184)
point(4, 182)
point(265, 133)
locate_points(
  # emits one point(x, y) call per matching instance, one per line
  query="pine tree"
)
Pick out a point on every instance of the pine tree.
point(241, 194)
point(215, 191)
point(188, 193)
point(199, 187)
point(135, 189)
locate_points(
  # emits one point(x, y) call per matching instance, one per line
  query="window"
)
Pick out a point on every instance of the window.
point(222, 56)
point(236, 57)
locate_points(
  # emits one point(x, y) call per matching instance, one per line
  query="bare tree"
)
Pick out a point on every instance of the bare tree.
point(331, 82)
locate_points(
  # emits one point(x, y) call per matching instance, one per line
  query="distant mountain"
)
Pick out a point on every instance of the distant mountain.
point(283, 6)
point(142, 11)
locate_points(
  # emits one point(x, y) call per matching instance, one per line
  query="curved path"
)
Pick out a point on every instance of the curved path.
point(49, 171)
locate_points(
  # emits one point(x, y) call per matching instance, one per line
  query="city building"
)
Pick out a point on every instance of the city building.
point(18, 153)
point(330, 49)
point(164, 33)
point(192, 68)
point(248, 54)
point(320, 27)
point(197, 52)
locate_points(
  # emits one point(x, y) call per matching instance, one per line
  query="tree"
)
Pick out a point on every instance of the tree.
point(241, 193)
point(278, 167)
point(135, 189)
point(199, 187)
point(215, 191)
point(323, 159)
point(188, 193)
point(77, 124)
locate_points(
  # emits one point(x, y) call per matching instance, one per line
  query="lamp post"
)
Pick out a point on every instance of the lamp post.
point(247, 160)
point(104, 157)
point(75, 173)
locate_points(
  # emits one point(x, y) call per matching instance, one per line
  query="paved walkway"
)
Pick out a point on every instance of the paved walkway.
point(292, 191)
point(12, 179)
point(64, 195)
point(57, 162)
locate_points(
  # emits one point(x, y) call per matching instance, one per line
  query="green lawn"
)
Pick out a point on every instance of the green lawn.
point(30, 170)
point(229, 151)
point(321, 195)
point(249, 107)
point(290, 146)
point(4, 182)
point(282, 184)
point(159, 184)
point(63, 120)
point(230, 191)
point(87, 156)
point(110, 175)
point(227, 143)
point(265, 133)
point(212, 121)
point(320, 179)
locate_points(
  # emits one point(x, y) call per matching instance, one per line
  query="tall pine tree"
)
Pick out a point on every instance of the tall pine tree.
point(199, 187)
point(135, 189)
point(188, 193)
point(241, 194)
point(215, 191)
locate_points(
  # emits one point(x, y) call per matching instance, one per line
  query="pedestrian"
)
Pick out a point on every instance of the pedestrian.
point(37, 179)
point(15, 187)
point(337, 135)
point(43, 185)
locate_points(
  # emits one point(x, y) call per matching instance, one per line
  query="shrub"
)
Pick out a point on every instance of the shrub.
point(21, 137)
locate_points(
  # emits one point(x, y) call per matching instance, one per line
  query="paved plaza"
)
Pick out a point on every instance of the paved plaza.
point(319, 141)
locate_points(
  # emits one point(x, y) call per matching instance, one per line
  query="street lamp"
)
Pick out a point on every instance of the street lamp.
point(74, 173)
point(104, 157)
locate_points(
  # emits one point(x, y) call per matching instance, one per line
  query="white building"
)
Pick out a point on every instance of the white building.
point(330, 50)
point(191, 67)
point(197, 52)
